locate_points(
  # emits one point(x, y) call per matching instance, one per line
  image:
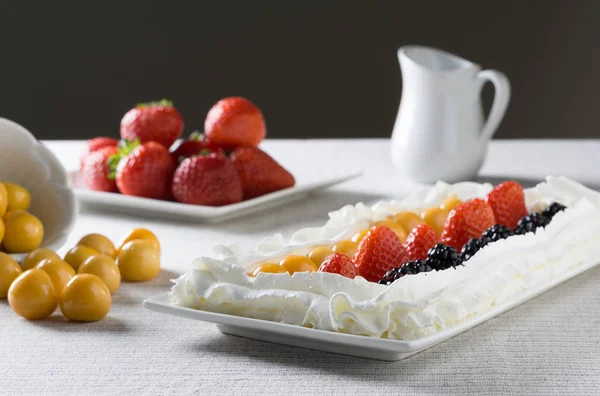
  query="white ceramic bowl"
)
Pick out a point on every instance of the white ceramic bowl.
point(25, 161)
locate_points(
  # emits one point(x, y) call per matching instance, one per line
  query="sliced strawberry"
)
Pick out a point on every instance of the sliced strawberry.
point(420, 240)
point(378, 252)
point(466, 221)
point(508, 203)
point(339, 263)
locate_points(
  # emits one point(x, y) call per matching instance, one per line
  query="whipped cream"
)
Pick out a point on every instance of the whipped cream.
point(413, 306)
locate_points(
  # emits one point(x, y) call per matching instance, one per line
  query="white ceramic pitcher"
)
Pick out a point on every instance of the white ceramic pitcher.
point(440, 132)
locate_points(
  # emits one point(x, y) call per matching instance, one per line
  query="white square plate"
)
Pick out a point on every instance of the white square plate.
point(210, 214)
point(347, 344)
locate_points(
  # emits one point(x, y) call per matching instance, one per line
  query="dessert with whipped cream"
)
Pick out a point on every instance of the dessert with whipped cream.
point(405, 269)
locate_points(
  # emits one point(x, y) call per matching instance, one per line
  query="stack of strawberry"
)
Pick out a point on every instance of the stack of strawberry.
point(223, 168)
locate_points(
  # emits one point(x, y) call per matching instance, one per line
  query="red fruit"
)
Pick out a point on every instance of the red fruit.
point(234, 122)
point(508, 203)
point(146, 171)
point(419, 241)
point(466, 221)
point(339, 263)
point(207, 180)
point(260, 174)
point(189, 148)
point(95, 170)
point(158, 122)
point(96, 144)
point(378, 252)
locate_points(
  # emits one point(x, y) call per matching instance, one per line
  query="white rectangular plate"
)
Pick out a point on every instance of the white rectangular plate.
point(347, 344)
point(209, 214)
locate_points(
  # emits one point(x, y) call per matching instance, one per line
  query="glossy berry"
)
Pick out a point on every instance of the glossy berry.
point(507, 201)
point(420, 240)
point(95, 170)
point(158, 122)
point(96, 144)
point(234, 122)
point(339, 263)
point(409, 268)
point(207, 180)
point(441, 257)
point(260, 174)
point(472, 247)
point(466, 221)
point(391, 276)
point(531, 222)
point(194, 146)
point(146, 171)
point(497, 232)
point(378, 252)
point(553, 209)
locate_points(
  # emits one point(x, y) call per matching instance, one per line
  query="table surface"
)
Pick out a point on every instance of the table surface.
point(550, 345)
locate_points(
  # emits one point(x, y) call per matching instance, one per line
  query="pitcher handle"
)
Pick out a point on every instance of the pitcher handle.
point(501, 98)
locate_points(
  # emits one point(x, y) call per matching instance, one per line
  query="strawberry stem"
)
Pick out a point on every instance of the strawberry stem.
point(163, 102)
point(123, 149)
point(197, 135)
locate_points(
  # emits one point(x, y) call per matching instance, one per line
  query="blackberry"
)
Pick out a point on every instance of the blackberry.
point(531, 222)
point(497, 232)
point(391, 276)
point(409, 268)
point(553, 209)
point(442, 257)
point(472, 246)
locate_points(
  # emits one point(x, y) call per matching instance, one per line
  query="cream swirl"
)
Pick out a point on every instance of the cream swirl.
point(414, 305)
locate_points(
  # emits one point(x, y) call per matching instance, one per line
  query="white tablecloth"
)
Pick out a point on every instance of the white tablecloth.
point(550, 345)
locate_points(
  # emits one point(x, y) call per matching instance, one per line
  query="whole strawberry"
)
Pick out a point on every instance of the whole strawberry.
point(96, 144)
point(339, 263)
point(508, 203)
point(144, 170)
point(419, 241)
point(158, 122)
point(378, 252)
point(193, 146)
point(95, 170)
point(209, 179)
point(234, 122)
point(260, 174)
point(466, 221)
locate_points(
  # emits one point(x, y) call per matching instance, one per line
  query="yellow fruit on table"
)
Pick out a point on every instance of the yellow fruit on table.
point(319, 254)
point(37, 255)
point(397, 228)
point(2, 230)
point(346, 247)
point(139, 261)
point(436, 218)
point(3, 199)
point(100, 243)
point(105, 268)
point(78, 254)
point(139, 233)
point(9, 270)
point(32, 295)
point(408, 220)
point(270, 268)
point(18, 197)
point(59, 271)
point(293, 263)
point(359, 236)
point(23, 232)
point(85, 299)
point(450, 203)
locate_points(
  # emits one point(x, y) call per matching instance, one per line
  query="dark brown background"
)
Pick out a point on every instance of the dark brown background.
point(71, 69)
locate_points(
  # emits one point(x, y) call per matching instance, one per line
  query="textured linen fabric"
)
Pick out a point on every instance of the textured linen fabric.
point(548, 346)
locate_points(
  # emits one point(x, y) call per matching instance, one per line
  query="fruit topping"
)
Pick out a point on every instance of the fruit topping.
point(96, 172)
point(319, 254)
point(378, 252)
point(158, 122)
point(436, 218)
point(531, 222)
point(270, 268)
point(553, 209)
point(345, 246)
point(496, 232)
point(450, 203)
point(359, 235)
point(409, 268)
point(209, 179)
point(259, 173)
point(399, 230)
point(466, 221)
point(472, 247)
point(507, 200)
point(339, 263)
point(408, 220)
point(295, 263)
point(441, 257)
point(420, 240)
point(234, 122)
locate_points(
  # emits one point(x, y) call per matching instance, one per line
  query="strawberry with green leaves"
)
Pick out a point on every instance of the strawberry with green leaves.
point(196, 144)
point(158, 122)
